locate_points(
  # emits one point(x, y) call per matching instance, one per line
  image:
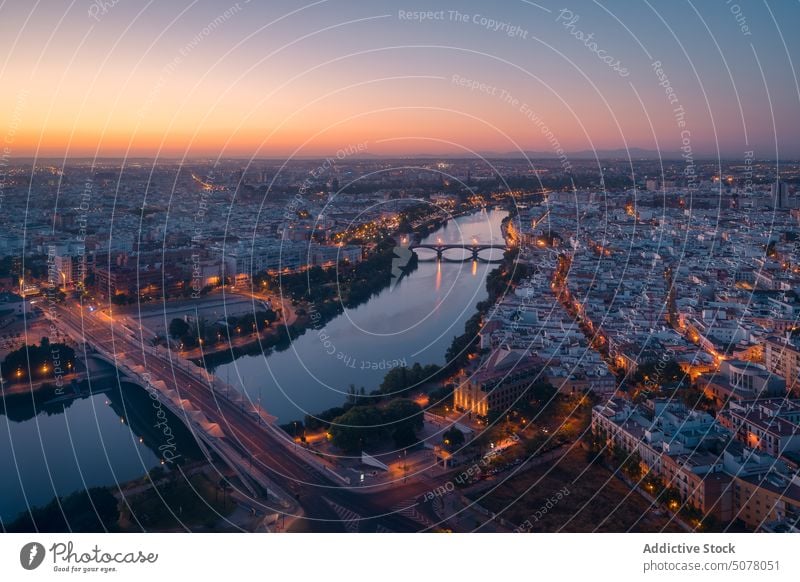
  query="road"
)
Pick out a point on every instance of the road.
point(326, 506)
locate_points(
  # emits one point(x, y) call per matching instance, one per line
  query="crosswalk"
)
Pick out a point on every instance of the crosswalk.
point(350, 519)
point(409, 509)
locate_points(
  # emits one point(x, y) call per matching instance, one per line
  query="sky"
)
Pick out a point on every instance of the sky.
point(190, 78)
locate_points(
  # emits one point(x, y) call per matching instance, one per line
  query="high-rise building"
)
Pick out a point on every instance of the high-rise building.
point(780, 195)
point(69, 263)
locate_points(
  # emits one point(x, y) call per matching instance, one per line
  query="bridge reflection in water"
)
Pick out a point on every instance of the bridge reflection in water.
point(472, 252)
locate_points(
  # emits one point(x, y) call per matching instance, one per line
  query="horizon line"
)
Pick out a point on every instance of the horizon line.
point(581, 156)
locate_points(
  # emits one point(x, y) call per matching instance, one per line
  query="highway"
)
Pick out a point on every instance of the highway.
point(326, 505)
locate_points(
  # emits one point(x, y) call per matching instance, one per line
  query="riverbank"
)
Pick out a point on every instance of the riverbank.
point(22, 403)
point(498, 282)
point(321, 295)
point(326, 293)
point(16, 388)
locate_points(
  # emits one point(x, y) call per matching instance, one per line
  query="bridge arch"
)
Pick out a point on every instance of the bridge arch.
point(472, 251)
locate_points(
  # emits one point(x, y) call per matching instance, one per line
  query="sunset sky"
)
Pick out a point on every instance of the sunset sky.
point(191, 78)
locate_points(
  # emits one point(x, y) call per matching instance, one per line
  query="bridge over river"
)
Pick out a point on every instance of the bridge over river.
point(471, 251)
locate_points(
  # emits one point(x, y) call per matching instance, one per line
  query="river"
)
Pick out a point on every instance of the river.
point(94, 441)
point(414, 321)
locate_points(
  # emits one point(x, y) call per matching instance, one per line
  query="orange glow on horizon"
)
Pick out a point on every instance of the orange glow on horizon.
point(230, 121)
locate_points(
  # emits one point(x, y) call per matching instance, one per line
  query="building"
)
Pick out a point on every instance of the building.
point(662, 426)
point(627, 427)
point(498, 384)
point(780, 195)
point(772, 426)
point(674, 444)
point(145, 275)
point(763, 492)
point(246, 259)
point(782, 358)
point(69, 264)
point(128, 280)
point(272, 255)
point(739, 380)
point(692, 453)
point(325, 255)
point(701, 482)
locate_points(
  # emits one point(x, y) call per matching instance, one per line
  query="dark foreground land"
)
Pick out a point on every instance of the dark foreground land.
point(596, 500)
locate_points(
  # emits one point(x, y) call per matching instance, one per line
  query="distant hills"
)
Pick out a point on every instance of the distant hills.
point(601, 154)
point(633, 153)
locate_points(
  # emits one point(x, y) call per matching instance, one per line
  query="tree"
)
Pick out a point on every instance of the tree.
point(401, 380)
point(362, 425)
point(404, 435)
point(771, 252)
point(356, 428)
point(355, 397)
point(44, 361)
point(323, 419)
point(632, 466)
point(543, 391)
point(453, 438)
point(178, 328)
point(120, 299)
point(203, 329)
point(463, 345)
point(270, 316)
point(403, 410)
point(442, 395)
point(659, 373)
point(189, 341)
point(403, 418)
